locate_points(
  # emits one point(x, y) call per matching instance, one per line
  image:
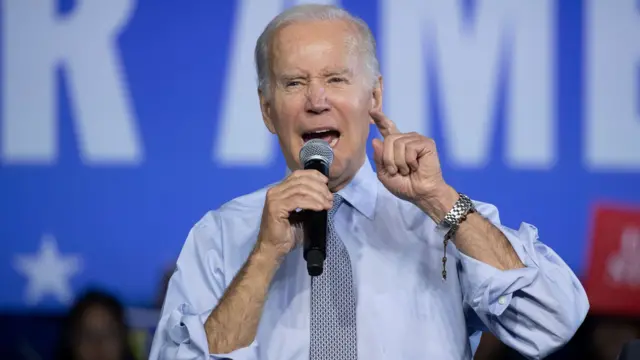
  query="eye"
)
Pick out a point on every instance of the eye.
point(293, 83)
point(336, 79)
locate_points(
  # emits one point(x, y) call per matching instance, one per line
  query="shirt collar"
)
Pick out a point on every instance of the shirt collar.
point(362, 191)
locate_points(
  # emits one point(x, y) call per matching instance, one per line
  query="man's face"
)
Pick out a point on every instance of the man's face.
point(320, 89)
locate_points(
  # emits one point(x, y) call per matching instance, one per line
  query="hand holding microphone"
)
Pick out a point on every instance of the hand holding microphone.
point(302, 189)
point(306, 190)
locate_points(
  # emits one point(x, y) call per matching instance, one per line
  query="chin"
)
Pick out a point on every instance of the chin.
point(335, 171)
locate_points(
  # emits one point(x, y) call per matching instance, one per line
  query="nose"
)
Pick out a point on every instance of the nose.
point(317, 101)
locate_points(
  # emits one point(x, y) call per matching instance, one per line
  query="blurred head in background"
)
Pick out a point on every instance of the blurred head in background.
point(95, 329)
point(164, 284)
point(319, 78)
point(610, 333)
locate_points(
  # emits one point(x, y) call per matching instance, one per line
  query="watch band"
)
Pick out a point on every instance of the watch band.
point(459, 211)
point(463, 207)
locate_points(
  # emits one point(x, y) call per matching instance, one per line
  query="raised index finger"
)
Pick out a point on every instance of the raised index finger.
point(384, 124)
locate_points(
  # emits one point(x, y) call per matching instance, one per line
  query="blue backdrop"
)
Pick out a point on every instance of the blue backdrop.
point(116, 137)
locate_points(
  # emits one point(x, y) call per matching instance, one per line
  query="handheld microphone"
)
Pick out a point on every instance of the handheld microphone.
point(315, 154)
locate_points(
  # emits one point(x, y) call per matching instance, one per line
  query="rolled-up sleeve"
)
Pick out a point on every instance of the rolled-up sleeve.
point(193, 291)
point(534, 310)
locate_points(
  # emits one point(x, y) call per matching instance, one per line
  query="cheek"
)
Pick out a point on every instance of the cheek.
point(286, 111)
point(358, 120)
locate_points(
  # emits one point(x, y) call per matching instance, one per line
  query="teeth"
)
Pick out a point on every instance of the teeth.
point(332, 143)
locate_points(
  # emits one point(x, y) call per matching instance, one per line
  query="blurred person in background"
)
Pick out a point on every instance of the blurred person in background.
point(162, 288)
point(608, 334)
point(95, 329)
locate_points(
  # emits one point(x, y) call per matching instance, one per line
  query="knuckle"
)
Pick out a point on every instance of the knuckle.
point(309, 181)
point(303, 174)
point(296, 174)
point(295, 183)
point(394, 137)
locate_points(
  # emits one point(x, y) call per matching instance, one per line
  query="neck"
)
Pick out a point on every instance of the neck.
point(339, 184)
point(342, 181)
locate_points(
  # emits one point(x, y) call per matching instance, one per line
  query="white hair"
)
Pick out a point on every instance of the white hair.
point(365, 43)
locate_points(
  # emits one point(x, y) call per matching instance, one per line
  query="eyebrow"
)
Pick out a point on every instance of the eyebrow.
point(338, 71)
point(291, 76)
point(325, 72)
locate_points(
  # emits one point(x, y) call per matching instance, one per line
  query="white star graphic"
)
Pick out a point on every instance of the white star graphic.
point(48, 272)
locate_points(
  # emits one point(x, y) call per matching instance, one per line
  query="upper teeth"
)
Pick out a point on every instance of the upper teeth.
point(321, 131)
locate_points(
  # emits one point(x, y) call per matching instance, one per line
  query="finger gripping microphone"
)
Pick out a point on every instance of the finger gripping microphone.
point(315, 154)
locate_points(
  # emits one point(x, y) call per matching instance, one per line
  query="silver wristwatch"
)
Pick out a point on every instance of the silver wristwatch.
point(451, 222)
point(458, 213)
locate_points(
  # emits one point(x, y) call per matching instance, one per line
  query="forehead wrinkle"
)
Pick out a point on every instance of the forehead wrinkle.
point(355, 64)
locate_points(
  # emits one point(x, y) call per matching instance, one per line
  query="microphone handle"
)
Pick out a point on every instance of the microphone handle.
point(315, 249)
point(315, 229)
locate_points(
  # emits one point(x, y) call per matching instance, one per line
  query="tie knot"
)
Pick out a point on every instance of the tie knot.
point(337, 201)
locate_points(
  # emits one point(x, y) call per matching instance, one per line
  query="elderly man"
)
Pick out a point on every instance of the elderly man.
point(241, 289)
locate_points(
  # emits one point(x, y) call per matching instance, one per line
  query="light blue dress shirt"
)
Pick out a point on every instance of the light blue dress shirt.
point(404, 308)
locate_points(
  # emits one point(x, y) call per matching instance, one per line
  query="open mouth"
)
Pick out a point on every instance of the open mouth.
point(329, 135)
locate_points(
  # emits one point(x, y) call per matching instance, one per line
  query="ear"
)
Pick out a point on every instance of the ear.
point(265, 108)
point(376, 96)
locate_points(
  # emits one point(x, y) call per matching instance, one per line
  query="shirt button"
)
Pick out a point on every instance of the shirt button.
point(502, 300)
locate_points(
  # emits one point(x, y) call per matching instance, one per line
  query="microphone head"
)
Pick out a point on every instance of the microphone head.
point(316, 149)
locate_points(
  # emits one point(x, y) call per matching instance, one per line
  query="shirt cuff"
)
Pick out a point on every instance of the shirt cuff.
point(186, 330)
point(491, 289)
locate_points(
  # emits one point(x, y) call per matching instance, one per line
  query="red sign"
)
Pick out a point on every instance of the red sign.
point(613, 275)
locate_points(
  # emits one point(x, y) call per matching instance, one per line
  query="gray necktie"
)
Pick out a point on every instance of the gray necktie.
point(333, 301)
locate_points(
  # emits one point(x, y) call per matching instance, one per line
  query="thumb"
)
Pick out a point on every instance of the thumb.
point(378, 148)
